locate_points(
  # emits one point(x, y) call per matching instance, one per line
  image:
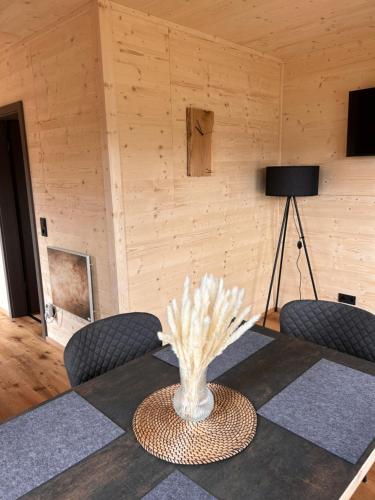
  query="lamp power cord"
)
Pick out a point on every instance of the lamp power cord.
point(299, 246)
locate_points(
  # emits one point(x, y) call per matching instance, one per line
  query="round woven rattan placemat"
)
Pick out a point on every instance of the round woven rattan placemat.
point(227, 431)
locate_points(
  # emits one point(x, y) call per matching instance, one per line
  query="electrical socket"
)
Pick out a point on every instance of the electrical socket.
point(50, 311)
point(346, 299)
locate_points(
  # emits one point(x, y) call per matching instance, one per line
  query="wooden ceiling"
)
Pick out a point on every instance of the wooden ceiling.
point(283, 28)
point(22, 18)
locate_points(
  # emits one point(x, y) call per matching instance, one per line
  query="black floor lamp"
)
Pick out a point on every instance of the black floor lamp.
point(290, 182)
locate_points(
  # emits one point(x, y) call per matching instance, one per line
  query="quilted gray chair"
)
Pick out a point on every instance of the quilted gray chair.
point(108, 343)
point(338, 326)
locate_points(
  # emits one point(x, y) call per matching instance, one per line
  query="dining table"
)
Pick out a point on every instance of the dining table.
point(280, 463)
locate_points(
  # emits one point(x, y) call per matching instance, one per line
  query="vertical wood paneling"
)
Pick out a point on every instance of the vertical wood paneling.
point(178, 225)
point(111, 160)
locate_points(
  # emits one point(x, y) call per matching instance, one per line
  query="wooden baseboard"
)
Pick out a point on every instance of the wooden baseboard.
point(54, 343)
point(3, 311)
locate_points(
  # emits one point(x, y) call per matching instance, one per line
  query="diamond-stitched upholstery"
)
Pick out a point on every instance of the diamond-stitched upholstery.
point(331, 324)
point(108, 343)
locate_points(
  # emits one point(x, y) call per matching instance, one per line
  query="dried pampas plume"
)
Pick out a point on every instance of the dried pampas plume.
point(206, 324)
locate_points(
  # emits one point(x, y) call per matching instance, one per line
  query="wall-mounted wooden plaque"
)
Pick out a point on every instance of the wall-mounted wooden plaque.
point(199, 126)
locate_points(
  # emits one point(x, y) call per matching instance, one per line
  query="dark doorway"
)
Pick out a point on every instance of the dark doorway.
point(17, 220)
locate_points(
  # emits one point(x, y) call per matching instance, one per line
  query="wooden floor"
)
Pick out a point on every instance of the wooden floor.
point(32, 371)
point(272, 321)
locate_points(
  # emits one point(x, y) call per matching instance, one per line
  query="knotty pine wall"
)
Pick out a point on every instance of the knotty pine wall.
point(178, 225)
point(56, 75)
point(340, 223)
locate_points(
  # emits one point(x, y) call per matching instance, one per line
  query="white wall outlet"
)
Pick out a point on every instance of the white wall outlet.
point(50, 311)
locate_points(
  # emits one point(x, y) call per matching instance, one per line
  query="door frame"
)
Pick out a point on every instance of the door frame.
point(16, 108)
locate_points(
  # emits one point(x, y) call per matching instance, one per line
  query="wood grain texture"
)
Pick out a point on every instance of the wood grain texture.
point(111, 159)
point(199, 126)
point(366, 491)
point(31, 370)
point(271, 26)
point(55, 74)
point(273, 322)
point(175, 224)
point(339, 224)
point(20, 20)
point(124, 469)
point(276, 27)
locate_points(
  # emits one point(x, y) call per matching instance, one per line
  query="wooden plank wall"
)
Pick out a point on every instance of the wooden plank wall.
point(178, 225)
point(56, 75)
point(340, 223)
point(166, 224)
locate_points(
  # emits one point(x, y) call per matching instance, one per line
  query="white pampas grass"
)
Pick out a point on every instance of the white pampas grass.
point(205, 324)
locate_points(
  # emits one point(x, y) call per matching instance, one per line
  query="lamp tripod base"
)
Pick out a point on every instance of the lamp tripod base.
point(280, 252)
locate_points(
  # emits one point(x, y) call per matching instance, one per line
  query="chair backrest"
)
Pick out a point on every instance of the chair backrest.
point(331, 324)
point(108, 343)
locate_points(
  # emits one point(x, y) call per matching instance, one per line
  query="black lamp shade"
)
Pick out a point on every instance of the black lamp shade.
point(292, 181)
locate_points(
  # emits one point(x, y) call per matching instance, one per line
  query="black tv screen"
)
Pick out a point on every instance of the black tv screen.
point(361, 123)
